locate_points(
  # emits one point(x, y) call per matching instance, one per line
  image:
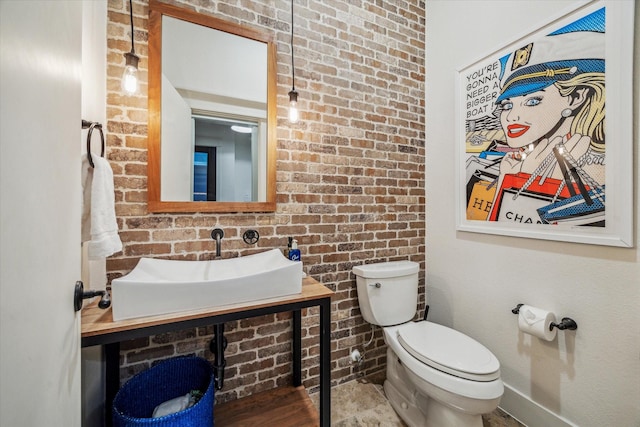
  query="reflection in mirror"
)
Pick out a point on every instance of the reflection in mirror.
point(212, 114)
point(227, 160)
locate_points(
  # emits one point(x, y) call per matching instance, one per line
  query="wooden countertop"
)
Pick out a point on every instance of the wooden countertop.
point(96, 321)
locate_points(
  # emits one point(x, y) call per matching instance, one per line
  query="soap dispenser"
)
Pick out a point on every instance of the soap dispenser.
point(294, 252)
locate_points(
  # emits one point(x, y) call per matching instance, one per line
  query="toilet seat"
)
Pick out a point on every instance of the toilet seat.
point(449, 351)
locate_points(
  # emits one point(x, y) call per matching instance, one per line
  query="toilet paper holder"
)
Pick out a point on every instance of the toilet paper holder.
point(565, 323)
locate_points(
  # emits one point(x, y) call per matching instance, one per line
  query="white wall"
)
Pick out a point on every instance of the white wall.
point(590, 377)
point(176, 166)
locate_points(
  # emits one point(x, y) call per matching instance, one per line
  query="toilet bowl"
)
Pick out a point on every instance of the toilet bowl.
point(436, 376)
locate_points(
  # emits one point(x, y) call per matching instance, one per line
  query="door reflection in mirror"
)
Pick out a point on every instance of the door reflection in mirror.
point(204, 174)
point(226, 159)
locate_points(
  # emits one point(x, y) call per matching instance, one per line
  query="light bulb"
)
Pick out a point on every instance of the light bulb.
point(293, 112)
point(130, 80)
point(293, 106)
point(130, 75)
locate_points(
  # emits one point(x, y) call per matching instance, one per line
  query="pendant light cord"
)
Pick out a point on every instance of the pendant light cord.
point(293, 68)
point(131, 15)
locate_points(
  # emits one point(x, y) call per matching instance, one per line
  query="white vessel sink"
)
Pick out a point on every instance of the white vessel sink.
point(160, 286)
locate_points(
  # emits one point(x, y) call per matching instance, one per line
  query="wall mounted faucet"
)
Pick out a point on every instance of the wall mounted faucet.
point(217, 234)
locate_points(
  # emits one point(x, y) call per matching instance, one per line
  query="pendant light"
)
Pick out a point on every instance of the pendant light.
point(294, 116)
point(129, 82)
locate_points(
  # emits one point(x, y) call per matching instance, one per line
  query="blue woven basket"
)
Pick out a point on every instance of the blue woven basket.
point(136, 400)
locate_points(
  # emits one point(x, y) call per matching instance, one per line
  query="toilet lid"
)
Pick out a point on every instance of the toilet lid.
point(449, 351)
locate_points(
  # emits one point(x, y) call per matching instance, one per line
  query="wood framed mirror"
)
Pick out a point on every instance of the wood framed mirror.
point(212, 114)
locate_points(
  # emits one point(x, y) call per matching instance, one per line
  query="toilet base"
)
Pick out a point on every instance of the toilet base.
point(417, 409)
point(438, 414)
point(404, 407)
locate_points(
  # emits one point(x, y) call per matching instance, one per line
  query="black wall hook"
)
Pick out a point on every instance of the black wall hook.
point(79, 295)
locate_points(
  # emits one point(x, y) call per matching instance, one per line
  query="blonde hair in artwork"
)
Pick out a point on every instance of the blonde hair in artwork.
point(589, 120)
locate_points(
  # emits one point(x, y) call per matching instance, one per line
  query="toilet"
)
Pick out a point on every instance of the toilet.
point(436, 376)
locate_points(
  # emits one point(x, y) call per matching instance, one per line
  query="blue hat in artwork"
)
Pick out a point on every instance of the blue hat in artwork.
point(553, 58)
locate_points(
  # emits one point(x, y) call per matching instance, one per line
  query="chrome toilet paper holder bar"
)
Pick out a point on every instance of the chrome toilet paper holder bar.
point(565, 323)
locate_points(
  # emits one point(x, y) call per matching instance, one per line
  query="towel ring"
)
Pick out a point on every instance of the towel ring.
point(91, 126)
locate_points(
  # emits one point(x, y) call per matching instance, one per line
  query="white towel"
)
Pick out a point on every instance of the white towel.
point(99, 226)
point(93, 271)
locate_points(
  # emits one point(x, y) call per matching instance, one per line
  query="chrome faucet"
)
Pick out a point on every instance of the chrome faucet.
point(217, 234)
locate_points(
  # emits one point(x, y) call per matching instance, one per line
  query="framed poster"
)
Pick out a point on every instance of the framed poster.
point(540, 153)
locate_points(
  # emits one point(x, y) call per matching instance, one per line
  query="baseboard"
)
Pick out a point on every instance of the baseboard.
point(529, 412)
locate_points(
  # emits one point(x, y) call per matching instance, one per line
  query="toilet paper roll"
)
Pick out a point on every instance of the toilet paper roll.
point(536, 321)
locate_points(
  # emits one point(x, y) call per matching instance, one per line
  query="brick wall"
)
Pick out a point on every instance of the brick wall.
point(350, 177)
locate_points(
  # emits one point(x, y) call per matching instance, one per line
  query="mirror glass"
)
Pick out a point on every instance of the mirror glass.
point(211, 114)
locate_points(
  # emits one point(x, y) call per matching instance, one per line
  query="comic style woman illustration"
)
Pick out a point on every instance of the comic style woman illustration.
point(552, 110)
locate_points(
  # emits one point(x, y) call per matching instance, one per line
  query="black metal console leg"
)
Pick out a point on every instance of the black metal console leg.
point(325, 363)
point(297, 348)
point(112, 378)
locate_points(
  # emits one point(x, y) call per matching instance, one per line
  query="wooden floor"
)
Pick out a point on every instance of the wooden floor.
point(280, 407)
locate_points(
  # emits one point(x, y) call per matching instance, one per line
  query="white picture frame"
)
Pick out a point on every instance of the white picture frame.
point(488, 157)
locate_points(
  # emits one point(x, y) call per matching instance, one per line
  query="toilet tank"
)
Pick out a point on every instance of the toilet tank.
point(387, 291)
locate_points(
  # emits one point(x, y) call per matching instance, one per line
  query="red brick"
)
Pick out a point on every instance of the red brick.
point(350, 179)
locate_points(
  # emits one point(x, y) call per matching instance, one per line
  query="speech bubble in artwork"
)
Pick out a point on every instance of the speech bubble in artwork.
point(481, 89)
